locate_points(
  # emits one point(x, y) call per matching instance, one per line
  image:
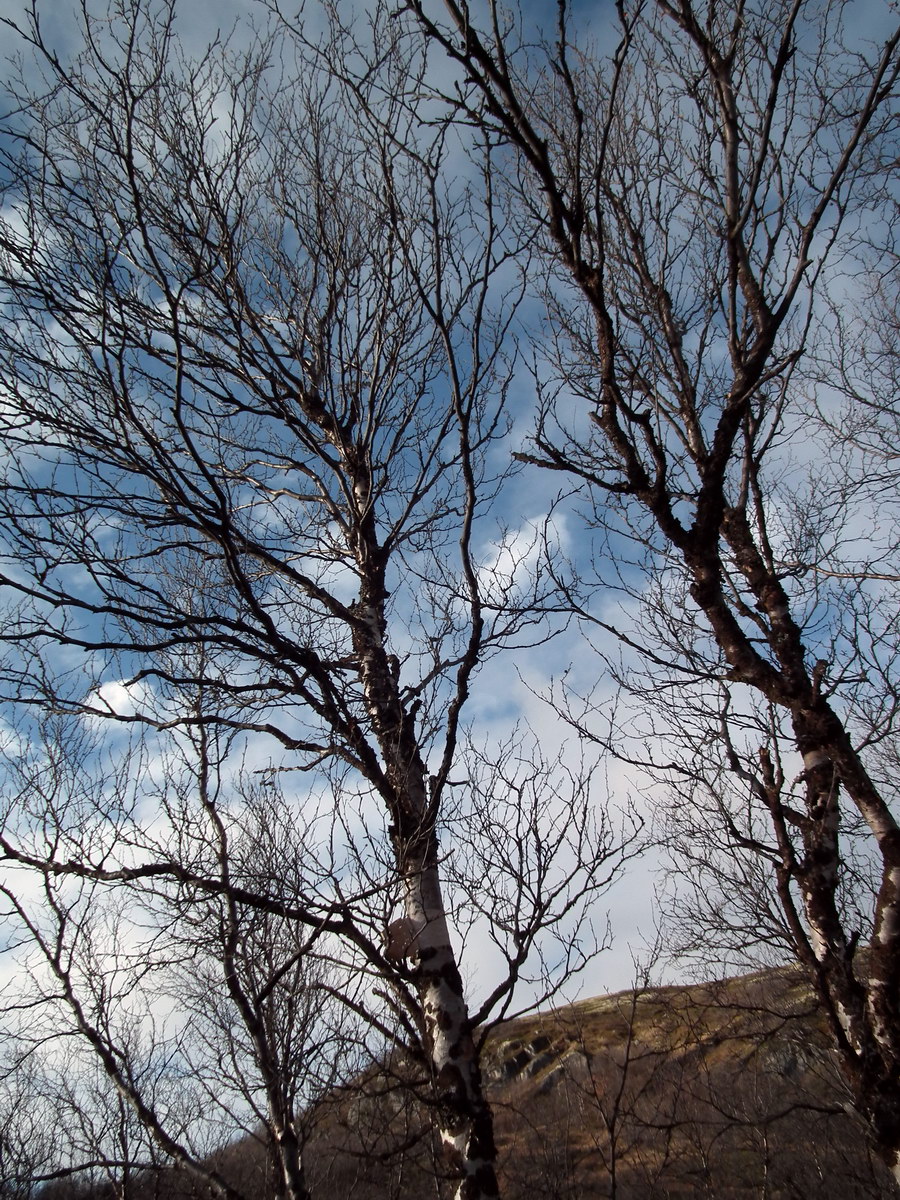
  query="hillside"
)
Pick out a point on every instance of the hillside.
point(724, 1090)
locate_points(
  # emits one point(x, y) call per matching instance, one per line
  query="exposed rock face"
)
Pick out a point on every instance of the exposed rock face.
point(517, 1059)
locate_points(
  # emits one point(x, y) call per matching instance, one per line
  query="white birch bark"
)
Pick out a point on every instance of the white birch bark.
point(463, 1115)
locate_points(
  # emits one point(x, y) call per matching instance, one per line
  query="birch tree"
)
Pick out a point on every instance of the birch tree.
point(700, 196)
point(255, 363)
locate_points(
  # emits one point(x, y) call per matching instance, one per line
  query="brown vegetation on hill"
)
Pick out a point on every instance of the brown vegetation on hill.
point(726, 1089)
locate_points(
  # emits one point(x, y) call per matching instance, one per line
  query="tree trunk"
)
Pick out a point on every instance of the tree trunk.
point(464, 1117)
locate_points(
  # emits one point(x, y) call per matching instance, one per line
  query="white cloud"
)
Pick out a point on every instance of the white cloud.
point(120, 698)
point(510, 563)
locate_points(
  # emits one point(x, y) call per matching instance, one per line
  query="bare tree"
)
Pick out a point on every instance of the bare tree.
point(698, 197)
point(255, 364)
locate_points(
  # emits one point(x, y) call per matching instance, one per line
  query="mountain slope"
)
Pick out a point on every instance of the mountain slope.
point(723, 1090)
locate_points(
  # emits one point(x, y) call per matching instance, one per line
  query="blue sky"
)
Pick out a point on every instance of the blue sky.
point(508, 689)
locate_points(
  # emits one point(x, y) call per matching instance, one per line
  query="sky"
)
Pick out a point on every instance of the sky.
point(507, 690)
